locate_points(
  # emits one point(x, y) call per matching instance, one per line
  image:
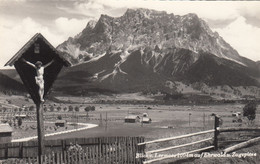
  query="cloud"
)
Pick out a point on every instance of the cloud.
point(245, 38)
point(15, 34)
point(70, 27)
point(229, 19)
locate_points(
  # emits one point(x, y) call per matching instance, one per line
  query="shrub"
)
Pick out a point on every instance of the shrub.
point(58, 108)
point(52, 108)
point(20, 121)
point(59, 117)
point(76, 109)
point(249, 111)
point(4, 109)
point(65, 108)
point(70, 108)
point(87, 109)
point(31, 108)
point(93, 108)
point(26, 109)
point(74, 150)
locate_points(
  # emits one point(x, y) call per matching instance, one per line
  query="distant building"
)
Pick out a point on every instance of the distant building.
point(61, 123)
point(146, 119)
point(22, 116)
point(132, 119)
point(5, 133)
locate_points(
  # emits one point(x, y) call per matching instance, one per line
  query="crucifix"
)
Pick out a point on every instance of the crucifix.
point(38, 63)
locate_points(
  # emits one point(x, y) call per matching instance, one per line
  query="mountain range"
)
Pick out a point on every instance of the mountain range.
point(143, 49)
point(152, 51)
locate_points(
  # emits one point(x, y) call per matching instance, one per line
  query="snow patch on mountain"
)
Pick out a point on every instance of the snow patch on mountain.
point(96, 58)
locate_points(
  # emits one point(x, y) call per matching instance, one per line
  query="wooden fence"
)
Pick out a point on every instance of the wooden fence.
point(254, 132)
point(94, 150)
point(230, 135)
point(148, 153)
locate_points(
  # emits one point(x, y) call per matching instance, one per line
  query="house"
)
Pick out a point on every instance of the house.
point(132, 118)
point(146, 119)
point(5, 133)
point(60, 123)
point(22, 116)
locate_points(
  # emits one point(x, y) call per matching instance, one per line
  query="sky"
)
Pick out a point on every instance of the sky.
point(238, 22)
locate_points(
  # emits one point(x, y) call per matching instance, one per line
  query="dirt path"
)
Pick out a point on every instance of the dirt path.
point(87, 126)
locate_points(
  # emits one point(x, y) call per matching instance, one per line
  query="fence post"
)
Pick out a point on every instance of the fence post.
point(6, 150)
point(63, 147)
point(21, 150)
point(216, 125)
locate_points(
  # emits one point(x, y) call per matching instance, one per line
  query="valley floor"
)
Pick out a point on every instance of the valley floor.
point(167, 120)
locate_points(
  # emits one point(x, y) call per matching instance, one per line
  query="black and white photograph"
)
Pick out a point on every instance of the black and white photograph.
point(129, 82)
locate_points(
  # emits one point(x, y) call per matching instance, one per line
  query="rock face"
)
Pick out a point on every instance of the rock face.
point(144, 48)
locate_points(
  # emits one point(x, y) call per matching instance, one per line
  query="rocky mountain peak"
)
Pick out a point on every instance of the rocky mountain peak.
point(141, 28)
point(146, 48)
point(91, 24)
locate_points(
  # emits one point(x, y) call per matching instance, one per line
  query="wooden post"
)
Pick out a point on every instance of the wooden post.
point(189, 119)
point(203, 120)
point(106, 120)
point(40, 130)
point(216, 125)
point(21, 150)
point(6, 151)
point(100, 121)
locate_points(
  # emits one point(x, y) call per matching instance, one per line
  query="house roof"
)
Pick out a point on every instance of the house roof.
point(28, 45)
point(131, 117)
point(60, 121)
point(5, 128)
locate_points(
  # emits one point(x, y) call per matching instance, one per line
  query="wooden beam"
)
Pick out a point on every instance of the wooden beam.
point(241, 145)
point(183, 145)
point(171, 156)
point(177, 137)
point(233, 129)
point(40, 130)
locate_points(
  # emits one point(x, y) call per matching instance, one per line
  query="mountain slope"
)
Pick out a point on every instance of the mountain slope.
point(10, 86)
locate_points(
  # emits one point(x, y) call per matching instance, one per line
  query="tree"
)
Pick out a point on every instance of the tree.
point(93, 108)
point(20, 109)
point(20, 121)
point(45, 109)
point(70, 108)
point(59, 117)
point(15, 109)
point(4, 109)
point(31, 108)
point(249, 111)
point(26, 109)
point(76, 108)
point(87, 109)
point(58, 108)
point(65, 108)
point(52, 108)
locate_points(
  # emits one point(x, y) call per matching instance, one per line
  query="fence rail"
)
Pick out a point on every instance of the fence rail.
point(177, 146)
point(178, 137)
point(214, 144)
